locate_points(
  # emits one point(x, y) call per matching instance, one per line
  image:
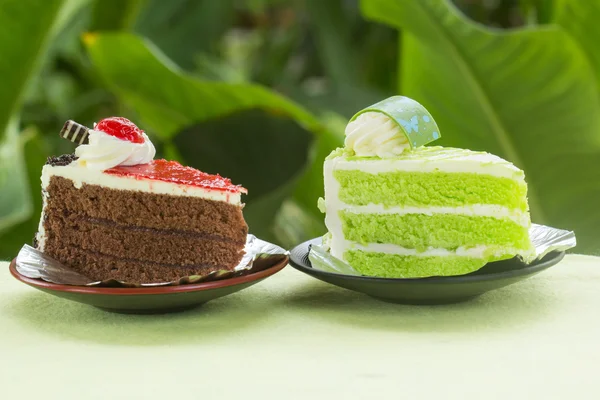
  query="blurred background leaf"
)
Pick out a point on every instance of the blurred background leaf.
point(108, 15)
point(580, 19)
point(270, 84)
point(165, 98)
point(20, 58)
point(24, 41)
point(24, 170)
point(185, 28)
point(528, 97)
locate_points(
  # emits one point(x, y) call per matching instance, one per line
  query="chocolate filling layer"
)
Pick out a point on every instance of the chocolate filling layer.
point(140, 237)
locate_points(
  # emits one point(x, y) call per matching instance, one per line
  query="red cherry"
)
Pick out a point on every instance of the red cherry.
point(121, 128)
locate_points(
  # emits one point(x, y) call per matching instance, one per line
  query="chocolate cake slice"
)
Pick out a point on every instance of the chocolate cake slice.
point(140, 221)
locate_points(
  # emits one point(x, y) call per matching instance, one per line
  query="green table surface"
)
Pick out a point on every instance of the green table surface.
point(293, 337)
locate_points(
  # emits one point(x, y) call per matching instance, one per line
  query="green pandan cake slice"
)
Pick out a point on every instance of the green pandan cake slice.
point(403, 211)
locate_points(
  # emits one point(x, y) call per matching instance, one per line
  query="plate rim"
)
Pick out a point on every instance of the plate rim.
point(527, 270)
point(155, 290)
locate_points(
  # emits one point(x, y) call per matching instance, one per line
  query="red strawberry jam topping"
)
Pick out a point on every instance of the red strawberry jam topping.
point(172, 171)
point(121, 128)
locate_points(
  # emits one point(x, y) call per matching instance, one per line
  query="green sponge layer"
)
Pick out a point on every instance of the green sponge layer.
point(403, 188)
point(398, 266)
point(420, 231)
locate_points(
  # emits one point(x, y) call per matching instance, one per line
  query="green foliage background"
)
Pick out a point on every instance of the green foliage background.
point(260, 91)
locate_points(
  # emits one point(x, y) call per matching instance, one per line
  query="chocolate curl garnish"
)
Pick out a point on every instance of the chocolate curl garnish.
point(75, 132)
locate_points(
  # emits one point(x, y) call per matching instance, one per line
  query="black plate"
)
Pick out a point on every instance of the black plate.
point(434, 290)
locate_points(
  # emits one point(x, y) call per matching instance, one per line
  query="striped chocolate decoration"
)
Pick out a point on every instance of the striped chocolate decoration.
point(75, 132)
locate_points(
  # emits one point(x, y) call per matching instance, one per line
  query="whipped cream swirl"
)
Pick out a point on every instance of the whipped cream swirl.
point(105, 151)
point(375, 134)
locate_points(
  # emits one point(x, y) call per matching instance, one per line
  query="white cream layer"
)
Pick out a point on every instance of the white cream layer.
point(40, 236)
point(447, 160)
point(477, 210)
point(476, 252)
point(81, 175)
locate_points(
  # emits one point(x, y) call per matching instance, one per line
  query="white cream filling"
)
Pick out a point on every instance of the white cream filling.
point(478, 210)
point(332, 206)
point(476, 252)
point(40, 236)
point(470, 162)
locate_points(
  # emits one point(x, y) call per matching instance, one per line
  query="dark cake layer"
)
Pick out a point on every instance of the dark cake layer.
point(147, 209)
point(161, 246)
point(140, 237)
point(101, 267)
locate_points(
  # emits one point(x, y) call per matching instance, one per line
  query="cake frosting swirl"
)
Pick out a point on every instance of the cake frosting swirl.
point(113, 142)
point(375, 134)
point(105, 151)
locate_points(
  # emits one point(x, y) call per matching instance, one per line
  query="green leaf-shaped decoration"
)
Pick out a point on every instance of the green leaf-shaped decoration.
point(527, 95)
